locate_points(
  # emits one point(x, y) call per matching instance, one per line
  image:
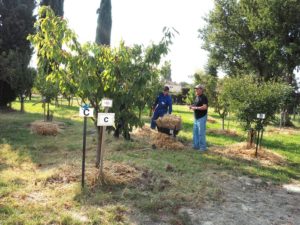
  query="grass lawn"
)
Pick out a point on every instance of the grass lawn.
point(36, 186)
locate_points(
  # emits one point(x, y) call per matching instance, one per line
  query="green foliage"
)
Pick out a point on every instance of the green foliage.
point(16, 22)
point(123, 74)
point(222, 101)
point(210, 84)
point(254, 37)
point(56, 5)
point(247, 97)
point(166, 72)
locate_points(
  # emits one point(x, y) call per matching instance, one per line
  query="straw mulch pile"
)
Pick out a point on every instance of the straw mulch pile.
point(211, 120)
point(45, 128)
point(240, 151)
point(158, 139)
point(113, 174)
point(286, 131)
point(64, 174)
point(165, 141)
point(169, 121)
point(229, 133)
point(118, 173)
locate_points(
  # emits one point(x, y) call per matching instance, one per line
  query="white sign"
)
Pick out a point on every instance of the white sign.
point(261, 116)
point(106, 119)
point(86, 112)
point(106, 103)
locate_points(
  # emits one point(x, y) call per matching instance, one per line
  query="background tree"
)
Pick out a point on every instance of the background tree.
point(16, 22)
point(104, 23)
point(166, 72)
point(210, 83)
point(259, 37)
point(221, 104)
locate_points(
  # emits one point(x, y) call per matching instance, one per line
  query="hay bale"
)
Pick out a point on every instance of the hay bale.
point(168, 121)
point(158, 139)
point(44, 128)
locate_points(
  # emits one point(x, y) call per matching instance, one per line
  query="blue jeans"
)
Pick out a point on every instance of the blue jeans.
point(199, 133)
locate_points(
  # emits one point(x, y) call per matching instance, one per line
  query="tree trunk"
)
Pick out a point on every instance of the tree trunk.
point(223, 122)
point(99, 145)
point(251, 138)
point(22, 103)
point(48, 111)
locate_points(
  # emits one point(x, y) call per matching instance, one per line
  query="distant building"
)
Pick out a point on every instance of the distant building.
point(174, 88)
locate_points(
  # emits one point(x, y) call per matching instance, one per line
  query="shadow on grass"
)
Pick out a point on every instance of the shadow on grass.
point(15, 131)
point(277, 173)
point(284, 146)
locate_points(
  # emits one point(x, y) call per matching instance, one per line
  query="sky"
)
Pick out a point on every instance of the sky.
point(142, 22)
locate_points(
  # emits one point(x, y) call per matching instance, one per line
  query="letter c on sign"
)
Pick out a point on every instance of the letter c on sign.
point(105, 119)
point(86, 112)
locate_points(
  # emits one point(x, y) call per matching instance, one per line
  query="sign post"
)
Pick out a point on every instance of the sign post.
point(84, 112)
point(104, 120)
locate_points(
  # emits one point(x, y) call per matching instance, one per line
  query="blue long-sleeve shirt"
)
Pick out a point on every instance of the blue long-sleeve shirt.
point(163, 103)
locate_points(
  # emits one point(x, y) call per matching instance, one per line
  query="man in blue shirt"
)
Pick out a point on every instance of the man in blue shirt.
point(162, 105)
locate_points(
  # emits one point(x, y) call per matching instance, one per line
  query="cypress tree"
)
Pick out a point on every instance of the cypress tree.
point(104, 23)
point(56, 5)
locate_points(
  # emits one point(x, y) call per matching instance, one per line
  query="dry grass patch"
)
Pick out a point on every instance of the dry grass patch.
point(229, 133)
point(45, 128)
point(286, 131)
point(211, 120)
point(113, 174)
point(240, 151)
point(158, 139)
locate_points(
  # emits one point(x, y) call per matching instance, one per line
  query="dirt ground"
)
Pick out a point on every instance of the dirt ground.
point(247, 201)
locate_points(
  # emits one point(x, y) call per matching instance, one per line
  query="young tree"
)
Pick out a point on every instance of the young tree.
point(96, 71)
point(103, 35)
point(56, 5)
point(247, 97)
point(47, 88)
point(221, 102)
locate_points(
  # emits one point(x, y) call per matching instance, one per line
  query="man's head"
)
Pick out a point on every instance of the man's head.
point(166, 90)
point(199, 89)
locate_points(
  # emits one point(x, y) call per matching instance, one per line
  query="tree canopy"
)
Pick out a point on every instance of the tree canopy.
point(16, 22)
point(260, 37)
